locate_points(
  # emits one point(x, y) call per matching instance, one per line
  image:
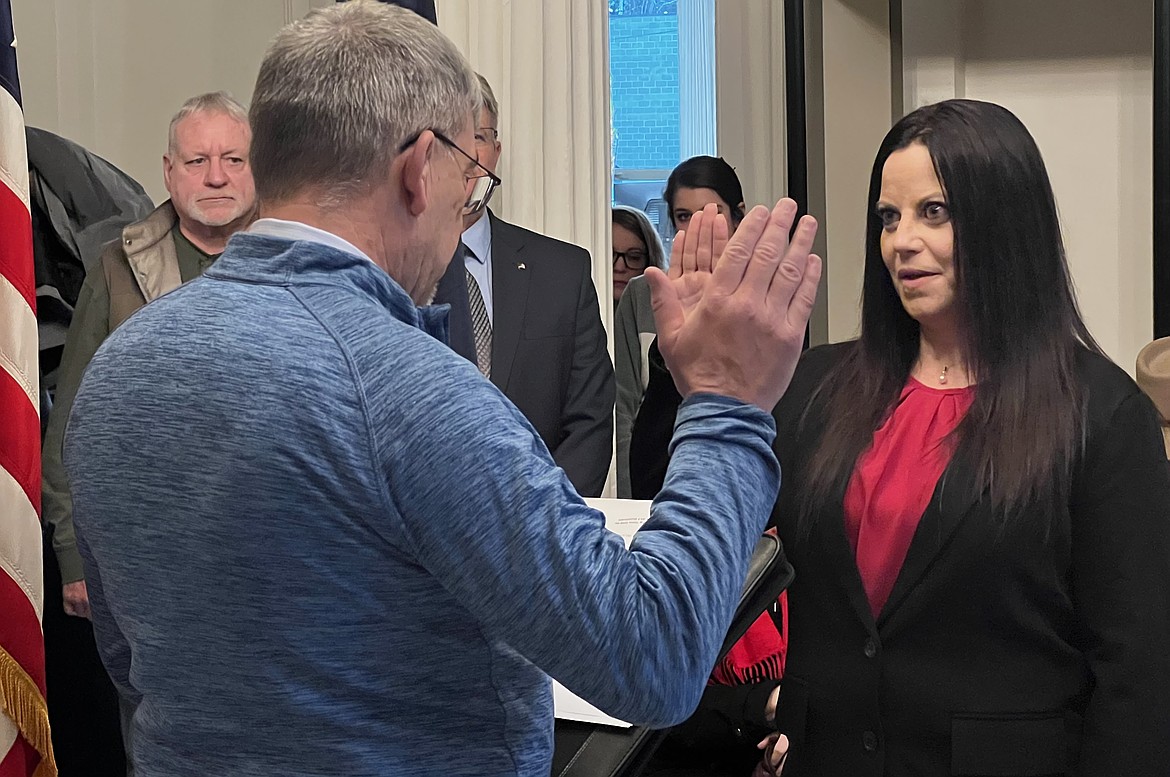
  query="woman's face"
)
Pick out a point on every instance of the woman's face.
point(688, 201)
point(917, 237)
point(629, 259)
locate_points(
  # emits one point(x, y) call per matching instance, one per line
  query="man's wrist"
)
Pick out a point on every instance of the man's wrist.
point(70, 563)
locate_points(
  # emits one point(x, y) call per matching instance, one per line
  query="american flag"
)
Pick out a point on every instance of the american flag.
point(25, 745)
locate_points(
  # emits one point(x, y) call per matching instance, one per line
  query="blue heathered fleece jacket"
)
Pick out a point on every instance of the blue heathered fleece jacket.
point(318, 542)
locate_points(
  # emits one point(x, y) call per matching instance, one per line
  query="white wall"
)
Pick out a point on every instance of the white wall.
point(857, 114)
point(849, 107)
point(1079, 75)
point(749, 95)
point(109, 75)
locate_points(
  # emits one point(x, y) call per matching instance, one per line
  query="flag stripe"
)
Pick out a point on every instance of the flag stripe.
point(20, 440)
point(13, 152)
point(20, 630)
point(22, 650)
point(21, 760)
point(8, 735)
point(20, 543)
point(18, 338)
point(16, 249)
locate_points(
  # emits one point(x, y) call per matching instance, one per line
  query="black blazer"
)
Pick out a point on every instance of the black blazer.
point(653, 428)
point(549, 353)
point(1001, 651)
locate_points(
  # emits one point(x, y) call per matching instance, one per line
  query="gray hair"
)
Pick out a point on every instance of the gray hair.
point(209, 102)
point(340, 91)
point(489, 98)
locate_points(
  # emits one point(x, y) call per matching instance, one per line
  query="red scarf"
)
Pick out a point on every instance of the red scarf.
point(759, 654)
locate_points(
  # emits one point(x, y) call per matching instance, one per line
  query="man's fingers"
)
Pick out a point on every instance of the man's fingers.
point(664, 301)
point(719, 241)
point(676, 252)
point(690, 262)
point(728, 275)
point(801, 305)
point(790, 271)
point(705, 248)
point(771, 247)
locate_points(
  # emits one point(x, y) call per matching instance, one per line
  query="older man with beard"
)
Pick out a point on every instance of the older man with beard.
point(207, 174)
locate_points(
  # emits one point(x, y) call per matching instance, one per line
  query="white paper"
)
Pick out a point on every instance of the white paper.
point(623, 517)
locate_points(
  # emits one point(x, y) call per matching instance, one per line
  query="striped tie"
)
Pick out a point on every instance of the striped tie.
point(481, 326)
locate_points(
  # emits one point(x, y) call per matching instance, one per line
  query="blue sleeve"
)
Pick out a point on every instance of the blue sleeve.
point(112, 645)
point(489, 514)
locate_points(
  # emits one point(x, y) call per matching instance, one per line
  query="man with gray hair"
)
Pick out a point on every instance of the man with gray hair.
point(524, 309)
point(377, 557)
point(207, 175)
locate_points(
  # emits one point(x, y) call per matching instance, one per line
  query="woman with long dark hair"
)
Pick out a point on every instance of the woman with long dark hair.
point(975, 498)
point(692, 185)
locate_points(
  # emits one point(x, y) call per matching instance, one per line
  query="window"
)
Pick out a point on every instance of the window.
point(662, 77)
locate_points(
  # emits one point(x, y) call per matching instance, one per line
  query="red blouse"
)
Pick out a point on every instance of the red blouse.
point(895, 480)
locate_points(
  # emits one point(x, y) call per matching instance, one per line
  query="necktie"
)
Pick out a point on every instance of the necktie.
point(481, 326)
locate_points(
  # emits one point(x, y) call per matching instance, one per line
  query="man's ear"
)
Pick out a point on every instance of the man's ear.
point(416, 173)
point(167, 164)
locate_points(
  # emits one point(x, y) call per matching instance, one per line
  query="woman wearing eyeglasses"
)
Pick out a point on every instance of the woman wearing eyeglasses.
point(635, 247)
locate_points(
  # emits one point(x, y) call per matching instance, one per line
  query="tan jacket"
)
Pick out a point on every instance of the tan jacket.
point(143, 266)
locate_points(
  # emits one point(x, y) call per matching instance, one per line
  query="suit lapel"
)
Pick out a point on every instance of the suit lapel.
point(830, 531)
point(953, 498)
point(510, 280)
point(452, 290)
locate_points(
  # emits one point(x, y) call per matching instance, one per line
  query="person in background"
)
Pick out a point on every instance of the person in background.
point(693, 184)
point(976, 501)
point(699, 181)
point(636, 246)
point(525, 310)
point(209, 180)
point(374, 537)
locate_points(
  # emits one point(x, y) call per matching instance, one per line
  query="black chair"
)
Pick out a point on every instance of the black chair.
point(591, 750)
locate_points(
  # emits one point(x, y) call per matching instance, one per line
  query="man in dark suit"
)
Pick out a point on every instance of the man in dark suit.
point(524, 308)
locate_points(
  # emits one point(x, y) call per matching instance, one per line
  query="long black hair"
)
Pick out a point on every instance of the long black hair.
point(706, 172)
point(1017, 311)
